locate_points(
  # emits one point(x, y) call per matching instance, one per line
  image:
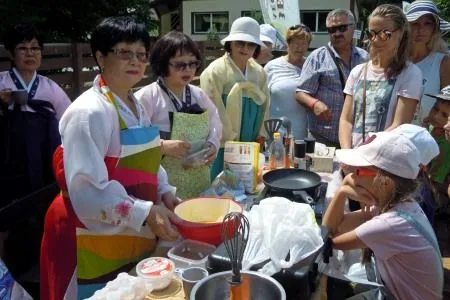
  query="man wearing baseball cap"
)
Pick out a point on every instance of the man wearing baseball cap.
point(408, 258)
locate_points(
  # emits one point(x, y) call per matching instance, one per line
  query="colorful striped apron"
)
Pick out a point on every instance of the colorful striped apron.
point(98, 257)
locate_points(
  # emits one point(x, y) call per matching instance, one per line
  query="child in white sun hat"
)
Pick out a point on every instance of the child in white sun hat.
point(237, 85)
point(407, 254)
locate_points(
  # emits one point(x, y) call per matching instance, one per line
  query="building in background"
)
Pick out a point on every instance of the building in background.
point(208, 19)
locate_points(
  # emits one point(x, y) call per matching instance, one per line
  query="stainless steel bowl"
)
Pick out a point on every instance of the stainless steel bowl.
point(217, 287)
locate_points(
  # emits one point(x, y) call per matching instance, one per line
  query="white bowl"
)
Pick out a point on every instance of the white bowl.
point(156, 270)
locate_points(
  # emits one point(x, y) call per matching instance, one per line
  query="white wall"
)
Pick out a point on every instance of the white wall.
point(235, 7)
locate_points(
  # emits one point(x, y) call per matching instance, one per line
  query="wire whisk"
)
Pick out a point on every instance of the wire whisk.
point(235, 232)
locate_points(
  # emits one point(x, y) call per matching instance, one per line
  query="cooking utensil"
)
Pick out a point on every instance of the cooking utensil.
point(235, 233)
point(202, 218)
point(299, 182)
point(216, 286)
point(272, 126)
point(286, 124)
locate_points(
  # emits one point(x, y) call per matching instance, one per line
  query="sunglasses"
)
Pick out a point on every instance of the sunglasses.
point(130, 55)
point(181, 65)
point(340, 28)
point(302, 26)
point(365, 172)
point(383, 34)
point(242, 44)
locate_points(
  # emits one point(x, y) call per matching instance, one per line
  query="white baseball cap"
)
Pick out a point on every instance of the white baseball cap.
point(244, 29)
point(268, 33)
point(388, 151)
point(422, 139)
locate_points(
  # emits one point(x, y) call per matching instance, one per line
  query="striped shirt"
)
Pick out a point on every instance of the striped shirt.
point(320, 79)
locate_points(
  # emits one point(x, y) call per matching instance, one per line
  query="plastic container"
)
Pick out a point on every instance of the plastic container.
point(276, 152)
point(190, 253)
point(194, 160)
point(156, 270)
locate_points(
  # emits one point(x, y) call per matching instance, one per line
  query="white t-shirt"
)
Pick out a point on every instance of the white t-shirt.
point(408, 264)
point(381, 96)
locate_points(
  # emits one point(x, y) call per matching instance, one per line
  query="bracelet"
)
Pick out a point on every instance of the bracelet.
point(312, 103)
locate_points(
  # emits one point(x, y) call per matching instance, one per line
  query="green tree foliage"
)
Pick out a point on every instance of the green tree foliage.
point(70, 20)
point(444, 7)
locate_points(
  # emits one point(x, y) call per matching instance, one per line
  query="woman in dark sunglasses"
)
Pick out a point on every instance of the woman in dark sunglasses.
point(189, 122)
point(383, 93)
point(237, 85)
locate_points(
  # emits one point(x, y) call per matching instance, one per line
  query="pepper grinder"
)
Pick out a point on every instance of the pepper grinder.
point(310, 147)
point(299, 154)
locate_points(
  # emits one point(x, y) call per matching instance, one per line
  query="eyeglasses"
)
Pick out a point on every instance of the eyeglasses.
point(25, 50)
point(365, 172)
point(130, 55)
point(302, 26)
point(242, 44)
point(181, 65)
point(340, 28)
point(383, 34)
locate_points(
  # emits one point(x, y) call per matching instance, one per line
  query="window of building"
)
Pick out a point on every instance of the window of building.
point(255, 14)
point(315, 20)
point(204, 22)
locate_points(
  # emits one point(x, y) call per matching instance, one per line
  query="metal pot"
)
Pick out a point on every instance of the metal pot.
point(217, 287)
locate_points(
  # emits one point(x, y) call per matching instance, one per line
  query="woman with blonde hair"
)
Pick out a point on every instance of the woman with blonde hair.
point(284, 73)
point(428, 51)
point(382, 93)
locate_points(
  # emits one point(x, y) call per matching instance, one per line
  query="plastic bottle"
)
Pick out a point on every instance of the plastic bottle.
point(276, 152)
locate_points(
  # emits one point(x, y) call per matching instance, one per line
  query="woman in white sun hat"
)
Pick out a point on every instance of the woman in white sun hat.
point(428, 51)
point(406, 250)
point(237, 85)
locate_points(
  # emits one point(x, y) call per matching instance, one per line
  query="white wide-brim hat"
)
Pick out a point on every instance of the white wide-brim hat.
point(391, 152)
point(244, 29)
point(268, 33)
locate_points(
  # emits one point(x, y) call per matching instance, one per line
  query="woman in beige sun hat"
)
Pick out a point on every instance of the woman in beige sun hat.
point(237, 85)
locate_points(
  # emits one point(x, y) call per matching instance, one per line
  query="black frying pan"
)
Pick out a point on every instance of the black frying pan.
point(293, 180)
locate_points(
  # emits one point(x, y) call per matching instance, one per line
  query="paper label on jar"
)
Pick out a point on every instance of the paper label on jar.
point(156, 267)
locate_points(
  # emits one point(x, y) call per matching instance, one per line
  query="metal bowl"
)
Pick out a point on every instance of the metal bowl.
point(217, 287)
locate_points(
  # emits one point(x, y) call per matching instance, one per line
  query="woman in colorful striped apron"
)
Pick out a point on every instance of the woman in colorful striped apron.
point(237, 85)
point(188, 120)
point(110, 208)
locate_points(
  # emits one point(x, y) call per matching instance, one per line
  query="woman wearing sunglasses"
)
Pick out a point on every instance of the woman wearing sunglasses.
point(108, 168)
point(383, 93)
point(428, 51)
point(237, 85)
point(188, 120)
point(391, 224)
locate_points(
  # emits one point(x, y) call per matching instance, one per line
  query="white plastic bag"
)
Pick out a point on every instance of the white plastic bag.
point(279, 226)
point(124, 287)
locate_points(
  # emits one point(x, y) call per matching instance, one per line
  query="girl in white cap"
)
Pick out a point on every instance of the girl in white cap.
point(406, 250)
point(237, 85)
point(427, 51)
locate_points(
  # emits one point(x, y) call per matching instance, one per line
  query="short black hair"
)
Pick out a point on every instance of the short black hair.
point(114, 30)
point(167, 47)
point(227, 48)
point(19, 33)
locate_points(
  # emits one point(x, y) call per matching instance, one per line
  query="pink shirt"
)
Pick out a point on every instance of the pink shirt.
point(407, 262)
point(48, 90)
